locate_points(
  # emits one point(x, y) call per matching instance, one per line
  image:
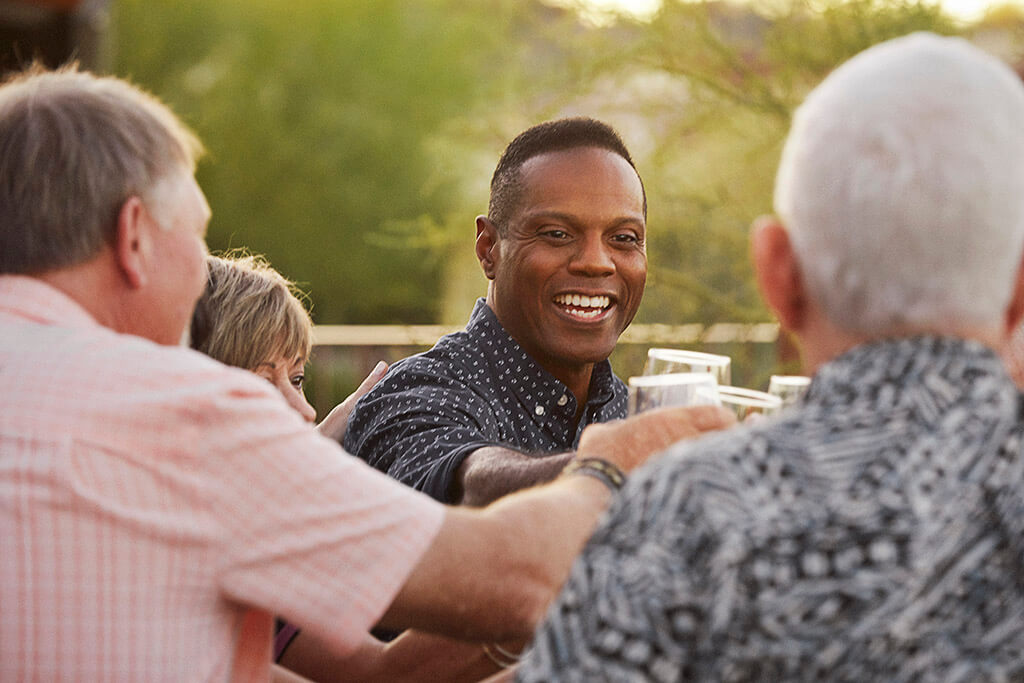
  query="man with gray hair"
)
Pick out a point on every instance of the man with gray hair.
point(876, 530)
point(157, 507)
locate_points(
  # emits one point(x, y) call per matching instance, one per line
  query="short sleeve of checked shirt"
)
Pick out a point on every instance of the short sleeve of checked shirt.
point(309, 532)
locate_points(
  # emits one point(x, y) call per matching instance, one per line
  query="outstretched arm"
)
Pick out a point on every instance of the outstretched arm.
point(491, 472)
point(490, 573)
point(502, 565)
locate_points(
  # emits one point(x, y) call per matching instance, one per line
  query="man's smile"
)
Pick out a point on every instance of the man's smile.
point(583, 306)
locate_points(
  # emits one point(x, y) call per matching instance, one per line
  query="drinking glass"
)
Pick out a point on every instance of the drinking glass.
point(748, 402)
point(788, 387)
point(675, 389)
point(664, 361)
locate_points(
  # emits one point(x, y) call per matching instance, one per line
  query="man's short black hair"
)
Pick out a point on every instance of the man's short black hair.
point(550, 136)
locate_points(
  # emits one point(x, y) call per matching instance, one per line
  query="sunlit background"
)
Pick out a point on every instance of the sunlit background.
point(604, 11)
point(352, 142)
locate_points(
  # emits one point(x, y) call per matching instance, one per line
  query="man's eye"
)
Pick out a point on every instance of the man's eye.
point(628, 240)
point(297, 381)
point(555, 234)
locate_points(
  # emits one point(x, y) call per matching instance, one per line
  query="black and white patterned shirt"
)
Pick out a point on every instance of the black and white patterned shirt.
point(475, 388)
point(873, 533)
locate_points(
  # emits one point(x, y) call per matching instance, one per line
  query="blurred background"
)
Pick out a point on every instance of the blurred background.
point(352, 142)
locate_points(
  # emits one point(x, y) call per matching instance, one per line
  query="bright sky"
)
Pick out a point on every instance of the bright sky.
point(967, 10)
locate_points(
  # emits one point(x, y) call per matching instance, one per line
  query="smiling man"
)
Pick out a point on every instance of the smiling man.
point(501, 405)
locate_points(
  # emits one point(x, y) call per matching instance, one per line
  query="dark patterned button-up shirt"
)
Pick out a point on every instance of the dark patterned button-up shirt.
point(873, 533)
point(475, 388)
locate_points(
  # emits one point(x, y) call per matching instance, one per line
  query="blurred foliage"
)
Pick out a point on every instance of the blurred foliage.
point(716, 85)
point(352, 141)
point(318, 117)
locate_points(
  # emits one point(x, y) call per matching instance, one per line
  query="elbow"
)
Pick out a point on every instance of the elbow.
point(527, 609)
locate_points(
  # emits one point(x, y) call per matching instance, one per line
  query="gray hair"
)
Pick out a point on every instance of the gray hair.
point(902, 187)
point(73, 148)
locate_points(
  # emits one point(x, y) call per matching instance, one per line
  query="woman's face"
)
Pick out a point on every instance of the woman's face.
point(287, 375)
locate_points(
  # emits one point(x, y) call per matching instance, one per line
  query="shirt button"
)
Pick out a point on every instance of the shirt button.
point(563, 400)
point(539, 410)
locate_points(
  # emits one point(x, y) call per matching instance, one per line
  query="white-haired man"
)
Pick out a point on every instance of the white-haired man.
point(875, 531)
point(156, 507)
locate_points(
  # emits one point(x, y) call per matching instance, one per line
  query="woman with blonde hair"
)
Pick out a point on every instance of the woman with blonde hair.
point(252, 317)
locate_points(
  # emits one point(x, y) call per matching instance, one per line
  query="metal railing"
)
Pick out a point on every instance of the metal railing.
point(649, 333)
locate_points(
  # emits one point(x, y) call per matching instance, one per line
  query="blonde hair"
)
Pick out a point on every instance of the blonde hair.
point(249, 313)
point(73, 148)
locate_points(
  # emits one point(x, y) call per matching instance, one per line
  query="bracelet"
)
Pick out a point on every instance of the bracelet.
point(607, 472)
point(501, 657)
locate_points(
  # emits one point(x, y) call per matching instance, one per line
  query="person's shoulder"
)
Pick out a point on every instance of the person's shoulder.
point(183, 379)
point(452, 359)
point(724, 474)
point(178, 363)
point(120, 388)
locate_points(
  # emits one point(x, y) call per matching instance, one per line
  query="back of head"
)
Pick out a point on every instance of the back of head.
point(73, 148)
point(249, 314)
point(902, 187)
point(550, 136)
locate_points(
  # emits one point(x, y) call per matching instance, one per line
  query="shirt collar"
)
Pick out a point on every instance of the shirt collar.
point(31, 298)
point(878, 373)
point(541, 394)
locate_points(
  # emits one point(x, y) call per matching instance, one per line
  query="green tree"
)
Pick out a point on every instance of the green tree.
point(320, 118)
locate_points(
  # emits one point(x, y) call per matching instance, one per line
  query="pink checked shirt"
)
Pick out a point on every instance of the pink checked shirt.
point(150, 497)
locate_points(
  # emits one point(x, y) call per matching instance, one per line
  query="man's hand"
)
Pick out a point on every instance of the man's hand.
point(629, 443)
point(334, 425)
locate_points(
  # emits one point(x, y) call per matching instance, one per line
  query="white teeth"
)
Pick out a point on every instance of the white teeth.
point(592, 313)
point(584, 301)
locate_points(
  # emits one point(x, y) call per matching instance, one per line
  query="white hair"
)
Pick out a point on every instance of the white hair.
point(902, 187)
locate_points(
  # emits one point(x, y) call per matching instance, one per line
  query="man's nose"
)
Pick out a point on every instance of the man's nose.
point(593, 257)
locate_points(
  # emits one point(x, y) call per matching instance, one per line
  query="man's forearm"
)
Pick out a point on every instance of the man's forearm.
point(491, 472)
point(490, 574)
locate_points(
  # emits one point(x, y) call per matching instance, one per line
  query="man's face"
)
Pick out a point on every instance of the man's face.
point(568, 275)
point(178, 276)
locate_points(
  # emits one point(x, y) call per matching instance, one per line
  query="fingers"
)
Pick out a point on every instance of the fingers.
point(629, 443)
point(375, 376)
point(701, 418)
point(336, 422)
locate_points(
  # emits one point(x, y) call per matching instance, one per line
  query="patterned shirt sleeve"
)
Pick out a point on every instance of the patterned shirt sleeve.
point(418, 425)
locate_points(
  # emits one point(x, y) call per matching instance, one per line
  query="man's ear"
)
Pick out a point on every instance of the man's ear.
point(778, 272)
point(132, 242)
point(487, 248)
point(1015, 311)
